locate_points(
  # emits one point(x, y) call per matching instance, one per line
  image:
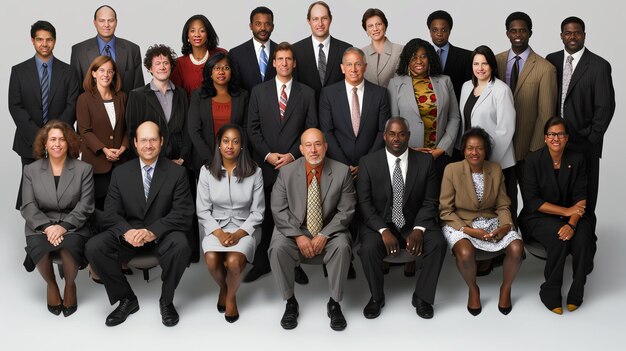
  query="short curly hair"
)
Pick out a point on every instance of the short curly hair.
point(477, 132)
point(72, 139)
point(158, 50)
point(434, 64)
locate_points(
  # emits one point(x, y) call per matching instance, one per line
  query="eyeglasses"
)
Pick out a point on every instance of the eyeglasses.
point(552, 135)
point(221, 68)
point(439, 30)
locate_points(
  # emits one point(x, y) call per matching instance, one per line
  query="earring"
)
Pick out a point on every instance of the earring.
point(46, 153)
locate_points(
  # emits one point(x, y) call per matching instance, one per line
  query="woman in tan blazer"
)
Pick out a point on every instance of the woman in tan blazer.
point(474, 210)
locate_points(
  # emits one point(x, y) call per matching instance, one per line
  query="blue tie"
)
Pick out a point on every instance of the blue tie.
point(45, 90)
point(147, 180)
point(263, 62)
point(107, 50)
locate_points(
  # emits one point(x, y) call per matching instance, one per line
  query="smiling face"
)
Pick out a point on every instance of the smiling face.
point(313, 146)
point(56, 145)
point(518, 34)
point(475, 152)
point(353, 67)
point(44, 44)
point(148, 142)
point(319, 22)
point(161, 68)
point(262, 27)
point(419, 63)
point(375, 28)
point(481, 68)
point(104, 75)
point(573, 37)
point(556, 138)
point(196, 34)
point(284, 64)
point(396, 138)
point(105, 23)
point(221, 73)
point(230, 145)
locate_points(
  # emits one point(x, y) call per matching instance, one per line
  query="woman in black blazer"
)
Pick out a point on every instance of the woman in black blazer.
point(219, 101)
point(555, 197)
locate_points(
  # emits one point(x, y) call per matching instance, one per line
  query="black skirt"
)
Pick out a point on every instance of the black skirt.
point(38, 245)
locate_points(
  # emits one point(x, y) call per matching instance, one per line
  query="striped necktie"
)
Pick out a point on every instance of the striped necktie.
point(147, 179)
point(262, 62)
point(45, 91)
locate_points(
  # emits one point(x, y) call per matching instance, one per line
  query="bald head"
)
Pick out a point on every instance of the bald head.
point(313, 146)
point(148, 142)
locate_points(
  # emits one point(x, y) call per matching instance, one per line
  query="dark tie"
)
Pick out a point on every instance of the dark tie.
point(107, 50)
point(321, 63)
point(397, 217)
point(439, 51)
point(282, 103)
point(514, 74)
point(568, 70)
point(45, 91)
point(262, 62)
point(356, 112)
point(314, 207)
point(147, 180)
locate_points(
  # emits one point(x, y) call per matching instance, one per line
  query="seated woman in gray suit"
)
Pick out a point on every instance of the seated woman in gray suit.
point(57, 201)
point(474, 211)
point(425, 97)
point(382, 55)
point(230, 206)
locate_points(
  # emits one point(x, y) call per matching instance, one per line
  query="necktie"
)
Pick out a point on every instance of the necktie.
point(45, 90)
point(397, 217)
point(514, 74)
point(567, 76)
point(356, 112)
point(321, 63)
point(440, 58)
point(147, 180)
point(314, 207)
point(107, 50)
point(262, 62)
point(282, 102)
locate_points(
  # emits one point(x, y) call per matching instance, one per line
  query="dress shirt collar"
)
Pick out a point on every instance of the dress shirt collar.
point(318, 168)
point(523, 56)
point(142, 165)
point(170, 86)
point(391, 163)
point(577, 55)
point(257, 50)
point(316, 43)
point(359, 88)
point(444, 53)
point(102, 44)
point(39, 62)
point(279, 86)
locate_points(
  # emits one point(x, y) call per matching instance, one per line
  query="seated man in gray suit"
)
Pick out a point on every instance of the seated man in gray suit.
point(312, 224)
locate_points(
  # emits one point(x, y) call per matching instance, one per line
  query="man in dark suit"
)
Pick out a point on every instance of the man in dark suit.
point(252, 58)
point(455, 62)
point(399, 205)
point(279, 111)
point(148, 209)
point(125, 53)
point(41, 88)
point(313, 203)
point(585, 99)
point(319, 56)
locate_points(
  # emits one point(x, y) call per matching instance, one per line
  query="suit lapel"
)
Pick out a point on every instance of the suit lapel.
point(529, 65)
point(342, 95)
point(326, 181)
point(300, 192)
point(67, 177)
point(581, 67)
point(292, 101)
point(156, 106)
point(120, 55)
point(411, 175)
point(55, 80)
point(488, 186)
point(408, 94)
point(33, 76)
point(255, 60)
point(333, 56)
point(384, 59)
point(47, 181)
point(469, 184)
point(483, 96)
point(547, 166)
point(159, 176)
point(367, 102)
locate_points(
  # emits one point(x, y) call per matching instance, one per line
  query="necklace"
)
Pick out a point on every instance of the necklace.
point(556, 164)
point(201, 61)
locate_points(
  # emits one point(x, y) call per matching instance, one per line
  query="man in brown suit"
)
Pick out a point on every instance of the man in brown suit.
point(533, 82)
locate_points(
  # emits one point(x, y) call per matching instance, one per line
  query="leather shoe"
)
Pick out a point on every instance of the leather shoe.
point(373, 307)
point(476, 311)
point(56, 310)
point(505, 310)
point(231, 319)
point(290, 317)
point(123, 310)
point(337, 320)
point(169, 316)
point(221, 308)
point(254, 274)
point(422, 308)
point(300, 276)
point(351, 272)
point(69, 310)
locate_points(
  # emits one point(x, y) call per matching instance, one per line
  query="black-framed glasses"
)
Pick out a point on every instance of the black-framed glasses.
point(552, 135)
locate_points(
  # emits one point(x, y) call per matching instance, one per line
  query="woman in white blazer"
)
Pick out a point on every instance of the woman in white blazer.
point(382, 55)
point(487, 102)
point(425, 97)
point(230, 205)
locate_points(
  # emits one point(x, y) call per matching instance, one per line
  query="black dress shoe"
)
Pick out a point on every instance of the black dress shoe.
point(69, 310)
point(505, 310)
point(301, 277)
point(337, 320)
point(475, 311)
point(123, 310)
point(169, 316)
point(351, 272)
point(56, 310)
point(254, 274)
point(373, 307)
point(221, 308)
point(290, 317)
point(422, 308)
point(231, 319)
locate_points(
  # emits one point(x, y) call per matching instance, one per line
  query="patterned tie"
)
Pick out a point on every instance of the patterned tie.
point(567, 76)
point(262, 62)
point(107, 50)
point(321, 63)
point(45, 90)
point(439, 51)
point(397, 217)
point(314, 207)
point(514, 74)
point(147, 180)
point(282, 102)
point(356, 112)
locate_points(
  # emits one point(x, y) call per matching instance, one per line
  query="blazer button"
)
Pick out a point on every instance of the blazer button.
point(111, 137)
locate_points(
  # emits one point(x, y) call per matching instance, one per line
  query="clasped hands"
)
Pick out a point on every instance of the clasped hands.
point(54, 233)
point(139, 237)
point(113, 155)
point(278, 160)
point(414, 242)
point(494, 236)
point(311, 247)
point(229, 239)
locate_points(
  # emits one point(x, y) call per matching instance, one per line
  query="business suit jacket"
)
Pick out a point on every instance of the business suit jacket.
point(200, 124)
point(72, 201)
point(25, 101)
point(127, 60)
point(246, 60)
point(535, 101)
point(494, 112)
point(380, 69)
point(96, 131)
point(589, 103)
point(306, 69)
point(458, 203)
point(402, 100)
point(290, 192)
point(458, 68)
point(265, 130)
point(336, 122)
point(143, 105)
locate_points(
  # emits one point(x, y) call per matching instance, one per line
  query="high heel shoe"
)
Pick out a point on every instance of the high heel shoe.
point(56, 310)
point(474, 311)
point(557, 310)
point(571, 307)
point(69, 310)
point(221, 308)
point(505, 310)
point(231, 319)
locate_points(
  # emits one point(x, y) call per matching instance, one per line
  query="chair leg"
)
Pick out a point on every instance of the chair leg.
point(146, 274)
point(60, 268)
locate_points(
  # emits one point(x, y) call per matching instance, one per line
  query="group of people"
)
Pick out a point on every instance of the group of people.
point(294, 153)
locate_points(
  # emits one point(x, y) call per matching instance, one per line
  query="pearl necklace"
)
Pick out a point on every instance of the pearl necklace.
point(201, 61)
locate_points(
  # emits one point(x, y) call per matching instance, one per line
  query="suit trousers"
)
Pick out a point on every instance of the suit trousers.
point(582, 247)
point(373, 251)
point(284, 256)
point(105, 254)
point(261, 261)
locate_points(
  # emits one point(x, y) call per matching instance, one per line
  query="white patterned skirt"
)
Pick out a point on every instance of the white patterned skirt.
point(487, 224)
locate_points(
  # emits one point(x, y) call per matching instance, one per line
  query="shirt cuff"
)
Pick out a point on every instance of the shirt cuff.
point(420, 228)
point(266, 156)
point(381, 230)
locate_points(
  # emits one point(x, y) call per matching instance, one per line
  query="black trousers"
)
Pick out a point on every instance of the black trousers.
point(105, 253)
point(372, 253)
point(261, 260)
